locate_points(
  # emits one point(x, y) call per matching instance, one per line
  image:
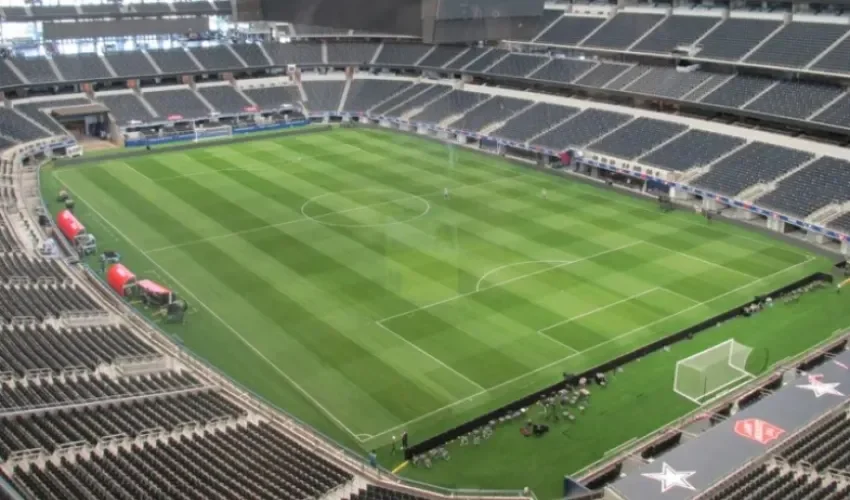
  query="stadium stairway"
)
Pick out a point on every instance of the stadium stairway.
point(236, 55)
point(14, 69)
point(108, 66)
point(145, 102)
point(55, 69)
point(344, 95)
point(152, 61)
point(194, 59)
point(204, 100)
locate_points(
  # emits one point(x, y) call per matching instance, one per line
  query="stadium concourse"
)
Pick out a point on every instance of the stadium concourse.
point(96, 403)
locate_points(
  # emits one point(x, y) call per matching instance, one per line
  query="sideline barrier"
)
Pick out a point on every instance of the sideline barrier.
point(190, 136)
point(524, 402)
point(304, 433)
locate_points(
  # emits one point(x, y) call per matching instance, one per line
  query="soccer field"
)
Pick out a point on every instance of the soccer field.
point(328, 272)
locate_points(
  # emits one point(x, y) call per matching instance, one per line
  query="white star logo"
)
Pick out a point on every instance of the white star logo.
point(821, 388)
point(671, 478)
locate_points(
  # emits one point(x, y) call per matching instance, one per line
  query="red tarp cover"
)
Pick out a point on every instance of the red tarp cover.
point(118, 276)
point(153, 288)
point(69, 225)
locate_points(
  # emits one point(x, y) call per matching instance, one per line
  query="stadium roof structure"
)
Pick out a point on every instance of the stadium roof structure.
point(698, 464)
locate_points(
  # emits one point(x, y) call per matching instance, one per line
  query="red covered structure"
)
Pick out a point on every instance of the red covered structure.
point(69, 225)
point(120, 279)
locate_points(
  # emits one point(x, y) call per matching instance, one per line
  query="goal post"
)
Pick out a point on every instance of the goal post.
point(217, 132)
point(713, 372)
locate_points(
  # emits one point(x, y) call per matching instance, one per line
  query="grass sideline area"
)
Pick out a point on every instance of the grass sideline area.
point(328, 273)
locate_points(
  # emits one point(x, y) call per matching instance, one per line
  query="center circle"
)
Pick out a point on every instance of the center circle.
point(375, 206)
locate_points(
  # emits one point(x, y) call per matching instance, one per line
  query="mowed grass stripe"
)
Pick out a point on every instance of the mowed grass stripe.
point(483, 227)
point(333, 349)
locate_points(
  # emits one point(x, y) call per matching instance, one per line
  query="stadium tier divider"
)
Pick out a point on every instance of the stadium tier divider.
point(571, 379)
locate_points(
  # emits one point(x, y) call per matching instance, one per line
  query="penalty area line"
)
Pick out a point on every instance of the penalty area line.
point(594, 347)
point(220, 319)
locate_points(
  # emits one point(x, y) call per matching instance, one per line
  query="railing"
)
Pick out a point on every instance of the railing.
point(699, 413)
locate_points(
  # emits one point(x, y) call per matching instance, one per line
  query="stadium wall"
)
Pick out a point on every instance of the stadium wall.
point(466, 428)
point(157, 141)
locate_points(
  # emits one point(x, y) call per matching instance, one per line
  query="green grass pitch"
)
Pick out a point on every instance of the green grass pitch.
point(328, 273)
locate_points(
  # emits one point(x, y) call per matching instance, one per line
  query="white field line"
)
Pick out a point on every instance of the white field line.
point(219, 318)
point(309, 219)
point(698, 259)
point(511, 280)
point(598, 309)
point(426, 353)
point(691, 299)
point(554, 363)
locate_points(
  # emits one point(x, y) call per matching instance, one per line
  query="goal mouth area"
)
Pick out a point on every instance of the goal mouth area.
point(731, 386)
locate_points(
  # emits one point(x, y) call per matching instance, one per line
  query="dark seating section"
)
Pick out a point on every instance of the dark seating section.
point(101, 9)
point(753, 164)
point(91, 424)
point(581, 129)
point(245, 461)
point(795, 99)
point(401, 97)
point(356, 53)
point(518, 65)
point(49, 393)
point(174, 61)
point(667, 82)
point(486, 60)
point(130, 63)
point(150, 8)
point(464, 59)
point(562, 70)
point(416, 101)
point(675, 31)
point(81, 67)
point(8, 78)
point(735, 37)
point(817, 185)
point(323, 95)
point(533, 121)
point(15, 13)
point(622, 30)
point(15, 126)
point(252, 54)
point(36, 69)
point(738, 91)
point(225, 99)
point(570, 30)
point(363, 95)
point(838, 113)
point(373, 492)
point(294, 53)
point(628, 77)
point(126, 108)
point(842, 223)
point(441, 55)
point(696, 148)
point(797, 44)
point(403, 54)
point(26, 348)
point(34, 111)
point(836, 60)
point(182, 103)
point(269, 98)
point(43, 301)
point(602, 74)
point(637, 138)
point(495, 110)
point(454, 103)
point(216, 58)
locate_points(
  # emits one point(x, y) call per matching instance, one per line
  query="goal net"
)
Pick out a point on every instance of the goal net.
point(217, 132)
point(711, 373)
